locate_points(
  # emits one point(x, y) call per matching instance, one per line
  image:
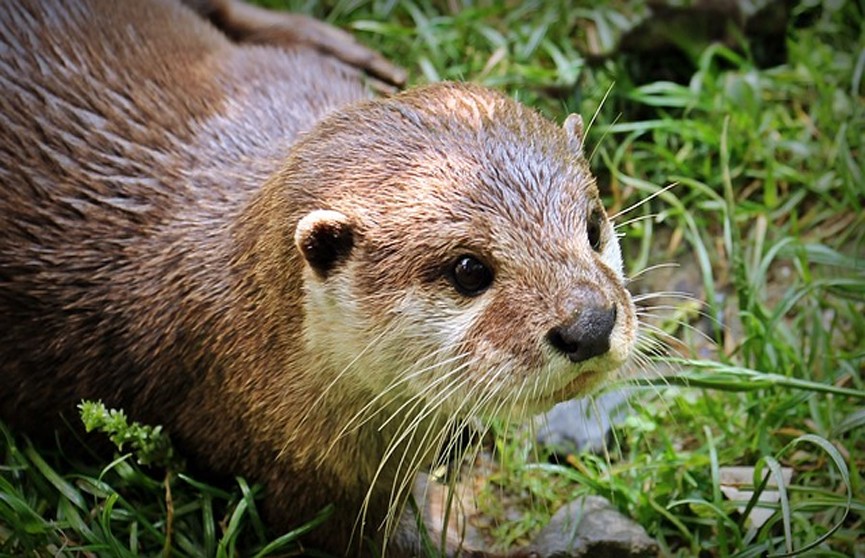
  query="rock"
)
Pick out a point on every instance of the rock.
point(659, 40)
point(591, 527)
point(578, 425)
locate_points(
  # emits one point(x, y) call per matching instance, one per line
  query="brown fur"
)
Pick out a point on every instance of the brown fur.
point(153, 177)
point(253, 25)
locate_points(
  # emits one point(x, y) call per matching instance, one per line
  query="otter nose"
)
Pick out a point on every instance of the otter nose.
point(586, 335)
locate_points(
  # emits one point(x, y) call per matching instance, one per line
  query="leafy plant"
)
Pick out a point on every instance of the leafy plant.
point(150, 445)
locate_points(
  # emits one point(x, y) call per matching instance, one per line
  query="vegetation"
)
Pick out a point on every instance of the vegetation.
point(761, 364)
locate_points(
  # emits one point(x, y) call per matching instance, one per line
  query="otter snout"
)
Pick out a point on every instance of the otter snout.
point(586, 335)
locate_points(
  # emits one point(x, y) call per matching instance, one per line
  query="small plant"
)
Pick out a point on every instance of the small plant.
point(150, 444)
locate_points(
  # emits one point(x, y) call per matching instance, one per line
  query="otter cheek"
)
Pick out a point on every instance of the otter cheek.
point(500, 334)
point(624, 335)
point(612, 255)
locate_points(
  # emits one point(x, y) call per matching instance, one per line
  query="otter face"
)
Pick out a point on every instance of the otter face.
point(466, 259)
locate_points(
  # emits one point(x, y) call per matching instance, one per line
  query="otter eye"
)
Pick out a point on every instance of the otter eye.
point(593, 230)
point(470, 276)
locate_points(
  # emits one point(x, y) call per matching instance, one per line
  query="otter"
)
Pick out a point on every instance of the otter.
point(224, 232)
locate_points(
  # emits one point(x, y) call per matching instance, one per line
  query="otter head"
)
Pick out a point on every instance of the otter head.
point(457, 253)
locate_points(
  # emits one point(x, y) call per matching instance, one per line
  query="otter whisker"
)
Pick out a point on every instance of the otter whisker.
point(403, 436)
point(432, 405)
point(633, 220)
point(411, 419)
point(355, 422)
point(406, 433)
point(681, 324)
point(595, 116)
point(654, 341)
point(652, 311)
point(652, 348)
point(474, 409)
point(680, 295)
point(435, 402)
point(418, 397)
point(652, 196)
point(406, 469)
point(460, 420)
point(469, 454)
point(640, 275)
point(341, 374)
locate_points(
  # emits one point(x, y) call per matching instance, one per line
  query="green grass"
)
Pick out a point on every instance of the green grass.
point(765, 217)
point(51, 505)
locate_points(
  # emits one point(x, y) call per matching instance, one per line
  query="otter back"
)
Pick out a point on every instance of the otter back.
point(122, 125)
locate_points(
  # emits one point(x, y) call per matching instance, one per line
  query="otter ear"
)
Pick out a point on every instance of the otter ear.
point(324, 238)
point(574, 129)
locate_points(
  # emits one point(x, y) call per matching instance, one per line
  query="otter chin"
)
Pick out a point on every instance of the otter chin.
point(305, 285)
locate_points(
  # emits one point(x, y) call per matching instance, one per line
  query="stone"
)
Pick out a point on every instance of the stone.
point(590, 527)
point(581, 425)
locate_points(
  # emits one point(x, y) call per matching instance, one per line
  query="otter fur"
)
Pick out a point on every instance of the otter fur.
point(305, 285)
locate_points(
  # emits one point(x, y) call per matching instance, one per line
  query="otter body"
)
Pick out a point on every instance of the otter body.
point(305, 286)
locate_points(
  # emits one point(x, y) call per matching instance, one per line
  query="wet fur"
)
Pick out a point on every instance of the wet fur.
point(154, 174)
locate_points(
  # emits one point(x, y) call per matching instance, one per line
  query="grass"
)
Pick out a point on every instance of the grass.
point(67, 508)
point(765, 220)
